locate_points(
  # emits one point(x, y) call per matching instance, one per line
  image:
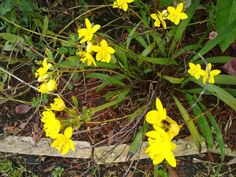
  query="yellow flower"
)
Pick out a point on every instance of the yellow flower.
point(58, 104)
point(103, 52)
point(85, 56)
point(41, 73)
point(49, 86)
point(63, 143)
point(159, 18)
point(156, 117)
point(210, 74)
point(160, 146)
point(122, 4)
point(175, 15)
point(195, 70)
point(173, 128)
point(87, 33)
point(51, 124)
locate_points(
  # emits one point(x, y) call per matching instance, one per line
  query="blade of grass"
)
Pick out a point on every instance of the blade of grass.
point(217, 130)
point(190, 124)
point(202, 122)
point(219, 93)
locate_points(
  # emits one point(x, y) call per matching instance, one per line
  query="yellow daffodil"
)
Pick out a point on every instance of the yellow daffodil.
point(87, 33)
point(156, 117)
point(122, 4)
point(103, 52)
point(47, 115)
point(175, 15)
point(85, 56)
point(49, 86)
point(63, 143)
point(41, 73)
point(160, 147)
point(173, 128)
point(210, 74)
point(195, 70)
point(51, 124)
point(58, 104)
point(159, 18)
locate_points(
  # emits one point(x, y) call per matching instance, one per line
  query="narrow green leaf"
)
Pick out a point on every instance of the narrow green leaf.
point(75, 101)
point(160, 61)
point(190, 124)
point(148, 49)
point(173, 80)
point(225, 79)
point(216, 130)
point(202, 122)
point(212, 43)
point(217, 59)
point(106, 77)
point(11, 37)
point(131, 35)
point(136, 143)
point(219, 93)
point(119, 99)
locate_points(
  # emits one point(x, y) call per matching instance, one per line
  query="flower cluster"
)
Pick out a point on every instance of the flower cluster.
point(103, 51)
point(48, 83)
point(207, 74)
point(172, 14)
point(52, 127)
point(122, 4)
point(160, 139)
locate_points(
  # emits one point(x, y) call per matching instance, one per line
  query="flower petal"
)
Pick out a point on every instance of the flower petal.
point(68, 132)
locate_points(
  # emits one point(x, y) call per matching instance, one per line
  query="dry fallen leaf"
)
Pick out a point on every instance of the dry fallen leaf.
point(171, 171)
point(22, 109)
point(230, 67)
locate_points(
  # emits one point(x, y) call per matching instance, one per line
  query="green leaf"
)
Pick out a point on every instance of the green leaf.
point(216, 129)
point(212, 43)
point(45, 25)
point(11, 37)
point(49, 54)
point(136, 143)
point(107, 78)
point(225, 15)
point(202, 122)
point(122, 57)
point(217, 59)
point(119, 99)
point(190, 124)
point(225, 79)
point(173, 80)
point(131, 35)
point(160, 61)
point(219, 93)
point(75, 101)
point(148, 49)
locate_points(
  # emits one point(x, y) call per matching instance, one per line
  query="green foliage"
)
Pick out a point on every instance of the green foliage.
point(57, 172)
point(7, 168)
point(225, 16)
point(189, 122)
point(202, 121)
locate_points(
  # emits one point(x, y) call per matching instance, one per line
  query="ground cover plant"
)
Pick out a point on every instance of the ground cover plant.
point(119, 71)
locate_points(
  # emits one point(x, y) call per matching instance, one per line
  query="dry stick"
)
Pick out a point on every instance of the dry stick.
point(17, 78)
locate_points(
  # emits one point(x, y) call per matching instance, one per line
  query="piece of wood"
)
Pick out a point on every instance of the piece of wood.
point(26, 145)
point(119, 153)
